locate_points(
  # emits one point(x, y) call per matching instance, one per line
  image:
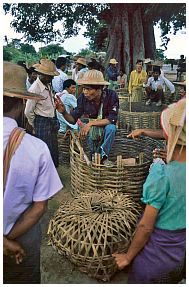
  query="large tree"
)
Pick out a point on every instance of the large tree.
point(124, 30)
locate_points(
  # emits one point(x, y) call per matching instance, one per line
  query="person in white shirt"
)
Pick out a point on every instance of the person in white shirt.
point(57, 82)
point(41, 114)
point(70, 102)
point(29, 180)
point(155, 87)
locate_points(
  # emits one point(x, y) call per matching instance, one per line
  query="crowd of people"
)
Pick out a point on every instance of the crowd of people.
point(87, 103)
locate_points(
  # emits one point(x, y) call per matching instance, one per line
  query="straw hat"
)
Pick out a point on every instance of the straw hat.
point(46, 67)
point(180, 83)
point(82, 61)
point(113, 61)
point(147, 61)
point(14, 82)
point(173, 122)
point(92, 77)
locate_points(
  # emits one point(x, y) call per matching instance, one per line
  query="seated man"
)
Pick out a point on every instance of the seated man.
point(155, 87)
point(100, 108)
point(70, 102)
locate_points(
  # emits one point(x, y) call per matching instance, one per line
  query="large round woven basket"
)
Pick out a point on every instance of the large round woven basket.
point(131, 157)
point(93, 226)
point(63, 148)
point(138, 116)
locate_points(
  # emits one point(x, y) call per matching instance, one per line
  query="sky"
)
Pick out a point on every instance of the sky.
point(175, 48)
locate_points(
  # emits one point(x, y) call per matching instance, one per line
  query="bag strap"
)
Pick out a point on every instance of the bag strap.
point(14, 141)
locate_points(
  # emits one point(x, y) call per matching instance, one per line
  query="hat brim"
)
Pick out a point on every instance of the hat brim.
point(41, 71)
point(22, 95)
point(83, 82)
point(113, 63)
point(81, 63)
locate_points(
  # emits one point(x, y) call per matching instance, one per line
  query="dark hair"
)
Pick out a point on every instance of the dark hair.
point(31, 70)
point(68, 83)
point(60, 61)
point(139, 61)
point(10, 103)
point(156, 69)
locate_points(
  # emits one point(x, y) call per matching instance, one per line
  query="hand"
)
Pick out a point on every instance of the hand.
point(84, 131)
point(161, 153)
point(59, 105)
point(136, 133)
point(13, 249)
point(121, 260)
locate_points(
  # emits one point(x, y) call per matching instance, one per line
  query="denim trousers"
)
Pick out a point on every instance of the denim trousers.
point(104, 146)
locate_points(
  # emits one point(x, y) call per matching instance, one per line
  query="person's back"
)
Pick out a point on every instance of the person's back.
point(29, 180)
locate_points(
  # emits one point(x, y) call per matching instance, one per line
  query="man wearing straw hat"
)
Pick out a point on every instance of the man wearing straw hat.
point(112, 74)
point(100, 108)
point(81, 64)
point(41, 114)
point(29, 180)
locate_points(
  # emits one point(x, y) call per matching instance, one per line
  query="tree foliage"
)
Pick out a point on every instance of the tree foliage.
point(37, 20)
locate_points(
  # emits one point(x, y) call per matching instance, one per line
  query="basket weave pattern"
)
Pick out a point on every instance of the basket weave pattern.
point(93, 226)
point(122, 178)
point(138, 116)
point(63, 148)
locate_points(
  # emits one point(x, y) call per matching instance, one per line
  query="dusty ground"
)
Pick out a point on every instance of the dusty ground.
point(56, 269)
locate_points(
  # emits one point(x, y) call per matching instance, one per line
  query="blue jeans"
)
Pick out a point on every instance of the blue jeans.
point(103, 147)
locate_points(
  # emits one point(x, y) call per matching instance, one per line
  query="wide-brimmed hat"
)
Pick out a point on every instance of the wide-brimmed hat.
point(180, 83)
point(93, 77)
point(147, 61)
point(14, 82)
point(46, 67)
point(173, 122)
point(82, 61)
point(113, 61)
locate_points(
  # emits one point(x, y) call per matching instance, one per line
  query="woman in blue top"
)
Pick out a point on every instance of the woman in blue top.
point(157, 250)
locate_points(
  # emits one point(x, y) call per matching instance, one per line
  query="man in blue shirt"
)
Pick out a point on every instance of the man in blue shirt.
point(99, 109)
point(112, 73)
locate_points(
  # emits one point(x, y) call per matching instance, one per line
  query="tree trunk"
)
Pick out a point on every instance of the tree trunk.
point(137, 37)
point(149, 39)
point(130, 37)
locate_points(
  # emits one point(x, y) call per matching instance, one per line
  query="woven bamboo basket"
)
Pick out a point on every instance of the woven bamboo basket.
point(91, 227)
point(138, 116)
point(64, 148)
point(123, 177)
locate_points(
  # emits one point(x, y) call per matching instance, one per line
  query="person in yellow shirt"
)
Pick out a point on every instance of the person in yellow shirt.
point(137, 79)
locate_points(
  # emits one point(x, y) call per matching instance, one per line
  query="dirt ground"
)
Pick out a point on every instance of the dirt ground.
point(55, 268)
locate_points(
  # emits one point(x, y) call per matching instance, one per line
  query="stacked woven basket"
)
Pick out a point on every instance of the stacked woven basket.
point(132, 159)
point(93, 226)
point(137, 115)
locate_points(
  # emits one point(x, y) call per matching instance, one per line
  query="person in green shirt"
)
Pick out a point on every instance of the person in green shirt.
point(157, 251)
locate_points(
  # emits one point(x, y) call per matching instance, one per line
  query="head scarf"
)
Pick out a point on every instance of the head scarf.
point(173, 121)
